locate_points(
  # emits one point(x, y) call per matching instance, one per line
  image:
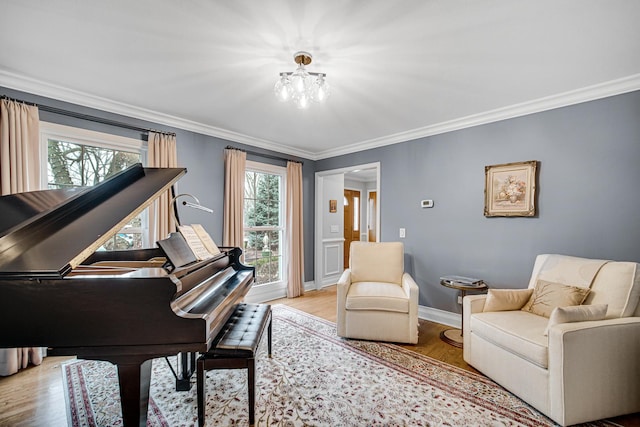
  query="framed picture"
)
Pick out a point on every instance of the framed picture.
point(333, 206)
point(510, 189)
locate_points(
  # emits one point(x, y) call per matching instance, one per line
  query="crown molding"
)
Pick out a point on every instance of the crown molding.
point(589, 93)
point(38, 87)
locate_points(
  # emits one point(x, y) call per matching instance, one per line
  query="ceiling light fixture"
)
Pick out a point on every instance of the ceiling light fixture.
point(301, 86)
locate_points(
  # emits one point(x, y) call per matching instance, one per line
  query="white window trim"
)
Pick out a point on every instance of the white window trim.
point(84, 137)
point(269, 291)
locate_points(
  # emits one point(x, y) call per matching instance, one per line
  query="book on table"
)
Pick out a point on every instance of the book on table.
point(471, 282)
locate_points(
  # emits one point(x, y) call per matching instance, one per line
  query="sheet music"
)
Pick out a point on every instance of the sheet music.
point(193, 240)
point(207, 241)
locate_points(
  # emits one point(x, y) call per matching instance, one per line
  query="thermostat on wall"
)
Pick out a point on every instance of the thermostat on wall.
point(426, 203)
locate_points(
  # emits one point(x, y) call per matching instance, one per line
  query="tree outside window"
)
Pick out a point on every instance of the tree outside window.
point(263, 224)
point(72, 165)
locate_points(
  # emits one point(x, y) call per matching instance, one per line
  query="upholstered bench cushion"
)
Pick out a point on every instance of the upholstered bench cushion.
point(240, 336)
point(518, 332)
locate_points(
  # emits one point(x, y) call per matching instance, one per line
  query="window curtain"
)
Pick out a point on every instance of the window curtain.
point(19, 172)
point(294, 229)
point(235, 162)
point(162, 153)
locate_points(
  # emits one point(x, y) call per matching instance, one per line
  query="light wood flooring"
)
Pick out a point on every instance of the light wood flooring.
point(35, 396)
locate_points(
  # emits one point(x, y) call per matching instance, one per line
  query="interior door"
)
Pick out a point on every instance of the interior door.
point(351, 221)
point(372, 208)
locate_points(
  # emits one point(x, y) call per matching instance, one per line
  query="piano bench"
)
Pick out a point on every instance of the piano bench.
point(235, 348)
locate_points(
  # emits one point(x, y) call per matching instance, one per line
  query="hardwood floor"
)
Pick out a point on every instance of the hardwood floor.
point(35, 396)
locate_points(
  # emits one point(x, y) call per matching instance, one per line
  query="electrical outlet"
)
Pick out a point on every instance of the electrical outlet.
point(402, 233)
point(460, 299)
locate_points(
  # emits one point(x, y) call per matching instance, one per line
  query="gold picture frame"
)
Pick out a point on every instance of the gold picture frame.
point(333, 206)
point(510, 189)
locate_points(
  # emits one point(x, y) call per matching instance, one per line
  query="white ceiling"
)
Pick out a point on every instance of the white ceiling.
point(398, 70)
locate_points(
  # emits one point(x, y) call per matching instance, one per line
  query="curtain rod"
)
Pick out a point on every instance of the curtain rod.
point(87, 117)
point(268, 156)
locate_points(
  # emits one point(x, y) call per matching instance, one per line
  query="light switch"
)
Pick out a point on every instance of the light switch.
point(335, 229)
point(402, 233)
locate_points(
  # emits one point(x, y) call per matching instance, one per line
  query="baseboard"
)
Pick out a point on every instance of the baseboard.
point(260, 294)
point(328, 281)
point(440, 316)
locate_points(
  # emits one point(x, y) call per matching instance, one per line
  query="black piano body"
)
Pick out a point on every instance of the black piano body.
point(57, 291)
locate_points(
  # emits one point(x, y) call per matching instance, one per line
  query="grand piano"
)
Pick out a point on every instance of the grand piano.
point(126, 307)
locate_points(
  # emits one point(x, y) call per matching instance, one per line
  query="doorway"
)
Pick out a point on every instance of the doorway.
point(329, 240)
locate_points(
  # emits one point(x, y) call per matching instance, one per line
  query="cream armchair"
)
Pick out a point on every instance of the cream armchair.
point(572, 371)
point(377, 300)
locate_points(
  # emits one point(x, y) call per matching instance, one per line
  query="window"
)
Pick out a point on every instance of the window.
point(264, 221)
point(79, 158)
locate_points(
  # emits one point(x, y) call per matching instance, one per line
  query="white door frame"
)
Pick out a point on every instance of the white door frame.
point(320, 278)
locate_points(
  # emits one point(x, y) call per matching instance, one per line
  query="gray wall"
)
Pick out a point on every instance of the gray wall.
point(588, 196)
point(333, 190)
point(202, 155)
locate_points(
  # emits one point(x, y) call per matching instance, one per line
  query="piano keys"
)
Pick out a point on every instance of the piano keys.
point(124, 307)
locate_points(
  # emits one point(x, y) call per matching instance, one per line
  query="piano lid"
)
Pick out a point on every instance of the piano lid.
point(51, 232)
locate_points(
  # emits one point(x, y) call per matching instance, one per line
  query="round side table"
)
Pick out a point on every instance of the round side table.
point(454, 336)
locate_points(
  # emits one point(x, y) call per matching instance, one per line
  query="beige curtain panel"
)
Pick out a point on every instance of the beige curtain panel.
point(294, 227)
point(19, 172)
point(235, 162)
point(19, 147)
point(162, 153)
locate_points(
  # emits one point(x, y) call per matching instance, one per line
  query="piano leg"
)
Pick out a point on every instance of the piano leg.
point(186, 363)
point(135, 379)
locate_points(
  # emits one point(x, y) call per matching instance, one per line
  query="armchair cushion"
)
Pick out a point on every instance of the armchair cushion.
point(548, 295)
point(616, 283)
point(517, 332)
point(506, 299)
point(377, 296)
point(618, 286)
point(376, 262)
point(578, 313)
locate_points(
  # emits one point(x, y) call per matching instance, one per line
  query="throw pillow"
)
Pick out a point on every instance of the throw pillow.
point(577, 313)
point(506, 299)
point(548, 295)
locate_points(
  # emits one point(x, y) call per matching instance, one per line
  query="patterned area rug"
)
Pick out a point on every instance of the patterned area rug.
point(313, 379)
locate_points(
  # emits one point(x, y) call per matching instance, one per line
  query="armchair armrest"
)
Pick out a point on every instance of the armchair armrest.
point(411, 289)
point(344, 283)
point(598, 356)
point(473, 304)
point(342, 290)
point(470, 304)
point(410, 286)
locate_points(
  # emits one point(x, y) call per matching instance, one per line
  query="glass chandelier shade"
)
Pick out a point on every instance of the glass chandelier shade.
point(302, 87)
